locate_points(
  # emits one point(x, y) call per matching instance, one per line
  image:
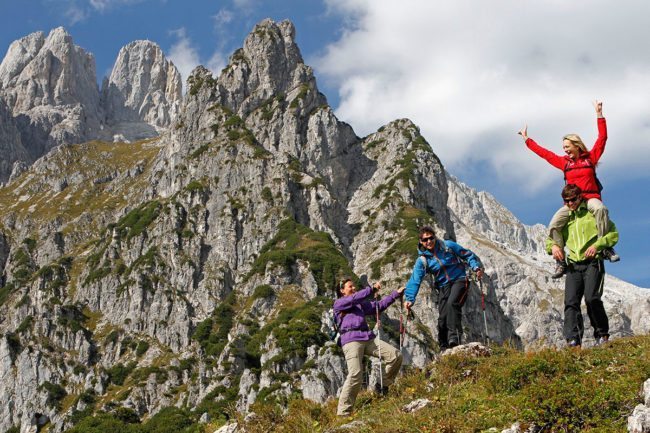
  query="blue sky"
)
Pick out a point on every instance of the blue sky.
point(470, 73)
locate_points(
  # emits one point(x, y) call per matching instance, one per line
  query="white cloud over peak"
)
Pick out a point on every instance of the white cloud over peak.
point(183, 53)
point(471, 74)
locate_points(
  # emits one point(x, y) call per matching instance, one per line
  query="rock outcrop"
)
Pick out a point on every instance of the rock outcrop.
point(11, 145)
point(144, 88)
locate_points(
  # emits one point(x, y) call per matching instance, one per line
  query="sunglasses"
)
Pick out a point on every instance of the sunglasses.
point(427, 239)
point(571, 200)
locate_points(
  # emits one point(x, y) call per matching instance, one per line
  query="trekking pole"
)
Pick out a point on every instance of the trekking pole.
point(480, 284)
point(381, 370)
point(401, 334)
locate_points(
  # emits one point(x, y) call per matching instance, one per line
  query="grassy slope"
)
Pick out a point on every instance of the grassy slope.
point(558, 390)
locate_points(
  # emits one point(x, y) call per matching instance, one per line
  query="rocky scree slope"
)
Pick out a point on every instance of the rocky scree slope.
point(193, 269)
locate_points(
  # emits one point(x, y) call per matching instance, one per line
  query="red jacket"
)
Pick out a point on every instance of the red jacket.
point(582, 171)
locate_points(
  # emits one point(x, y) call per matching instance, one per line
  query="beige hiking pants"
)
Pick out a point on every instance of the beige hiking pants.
point(354, 352)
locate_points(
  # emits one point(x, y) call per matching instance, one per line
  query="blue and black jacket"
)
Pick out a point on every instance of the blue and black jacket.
point(446, 263)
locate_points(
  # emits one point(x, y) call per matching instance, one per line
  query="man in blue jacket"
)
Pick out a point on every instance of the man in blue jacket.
point(446, 261)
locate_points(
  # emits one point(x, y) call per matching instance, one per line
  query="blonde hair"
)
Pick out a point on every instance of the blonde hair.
point(576, 140)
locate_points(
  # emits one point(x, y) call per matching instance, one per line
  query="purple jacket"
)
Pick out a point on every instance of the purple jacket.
point(354, 309)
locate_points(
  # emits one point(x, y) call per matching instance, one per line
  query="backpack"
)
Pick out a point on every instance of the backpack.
point(588, 166)
point(423, 259)
point(332, 327)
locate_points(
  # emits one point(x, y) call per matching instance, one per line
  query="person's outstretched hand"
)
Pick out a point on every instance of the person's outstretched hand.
point(524, 132)
point(598, 106)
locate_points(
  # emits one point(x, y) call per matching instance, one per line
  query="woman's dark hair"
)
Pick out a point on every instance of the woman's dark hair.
point(339, 285)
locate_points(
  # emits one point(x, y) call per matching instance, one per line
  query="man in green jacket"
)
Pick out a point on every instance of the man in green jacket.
point(586, 270)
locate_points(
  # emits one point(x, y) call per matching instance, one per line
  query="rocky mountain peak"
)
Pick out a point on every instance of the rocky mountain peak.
point(19, 54)
point(143, 86)
point(269, 64)
point(48, 72)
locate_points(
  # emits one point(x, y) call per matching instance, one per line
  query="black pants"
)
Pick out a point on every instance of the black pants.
point(584, 279)
point(451, 299)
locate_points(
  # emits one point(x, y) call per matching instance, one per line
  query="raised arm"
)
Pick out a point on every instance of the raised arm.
point(556, 161)
point(599, 146)
point(345, 302)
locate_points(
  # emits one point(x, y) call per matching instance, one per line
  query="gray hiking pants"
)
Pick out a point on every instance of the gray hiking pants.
point(451, 299)
point(584, 279)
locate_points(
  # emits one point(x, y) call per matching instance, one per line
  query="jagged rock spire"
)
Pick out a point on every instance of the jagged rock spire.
point(143, 86)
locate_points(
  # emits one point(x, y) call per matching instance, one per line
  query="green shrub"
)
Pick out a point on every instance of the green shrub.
point(212, 333)
point(142, 348)
point(55, 393)
point(171, 420)
point(118, 373)
point(295, 329)
point(137, 221)
point(73, 318)
point(267, 195)
point(195, 186)
point(295, 242)
point(27, 323)
point(263, 291)
point(6, 291)
point(199, 151)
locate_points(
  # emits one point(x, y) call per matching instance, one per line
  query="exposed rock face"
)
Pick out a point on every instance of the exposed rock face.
point(194, 269)
point(50, 90)
point(50, 86)
point(11, 145)
point(143, 87)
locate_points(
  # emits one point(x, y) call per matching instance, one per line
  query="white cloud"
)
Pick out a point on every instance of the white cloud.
point(245, 5)
point(471, 73)
point(223, 17)
point(216, 63)
point(75, 14)
point(183, 54)
point(103, 5)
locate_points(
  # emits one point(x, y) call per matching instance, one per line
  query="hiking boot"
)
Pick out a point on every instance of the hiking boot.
point(602, 340)
point(610, 254)
point(560, 269)
point(573, 343)
point(381, 390)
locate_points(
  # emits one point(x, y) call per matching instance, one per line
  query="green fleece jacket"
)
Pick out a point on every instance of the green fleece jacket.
point(580, 233)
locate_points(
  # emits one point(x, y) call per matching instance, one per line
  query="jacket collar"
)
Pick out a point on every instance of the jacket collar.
point(583, 207)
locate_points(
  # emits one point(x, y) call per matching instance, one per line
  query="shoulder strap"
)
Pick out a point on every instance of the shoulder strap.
point(432, 282)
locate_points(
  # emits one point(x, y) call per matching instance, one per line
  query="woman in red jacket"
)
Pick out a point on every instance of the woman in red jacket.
point(579, 167)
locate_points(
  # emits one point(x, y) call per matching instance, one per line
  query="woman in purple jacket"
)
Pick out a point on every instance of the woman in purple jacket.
point(357, 340)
